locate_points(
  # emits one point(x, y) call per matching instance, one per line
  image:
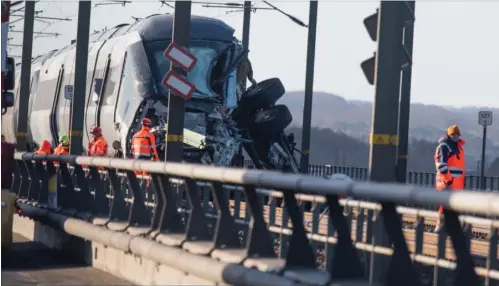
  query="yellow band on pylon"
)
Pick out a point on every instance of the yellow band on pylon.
point(383, 139)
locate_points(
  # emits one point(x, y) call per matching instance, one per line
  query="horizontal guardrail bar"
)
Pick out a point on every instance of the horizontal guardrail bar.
point(216, 271)
point(463, 201)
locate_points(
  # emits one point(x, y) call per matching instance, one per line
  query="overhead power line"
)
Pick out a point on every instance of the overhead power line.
point(292, 18)
point(122, 3)
point(37, 33)
point(239, 7)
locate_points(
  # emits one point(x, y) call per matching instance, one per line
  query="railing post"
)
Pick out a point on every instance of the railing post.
point(300, 252)
point(197, 225)
point(401, 271)
point(465, 271)
point(138, 212)
point(118, 210)
point(64, 193)
point(259, 241)
point(166, 216)
point(43, 179)
point(84, 196)
point(100, 202)
point(346, 262)
point(226, 230)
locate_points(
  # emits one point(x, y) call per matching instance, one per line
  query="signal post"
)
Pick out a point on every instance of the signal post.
point(383, 70)
point(180, 89)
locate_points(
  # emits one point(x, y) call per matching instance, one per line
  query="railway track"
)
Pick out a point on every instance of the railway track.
point(479, 248)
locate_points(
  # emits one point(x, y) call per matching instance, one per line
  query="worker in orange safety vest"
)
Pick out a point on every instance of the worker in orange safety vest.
point(98, 147)
point(144, 145)
point(45, 149)
point(62, 148)
point(450, 165)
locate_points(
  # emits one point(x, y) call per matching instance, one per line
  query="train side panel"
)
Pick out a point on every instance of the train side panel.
point(92, 69)
point(62, 106)
point(43, 100)
point(9, 120)
point(115, 49)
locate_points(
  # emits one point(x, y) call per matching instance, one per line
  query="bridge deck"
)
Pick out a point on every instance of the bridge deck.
point(30, 263)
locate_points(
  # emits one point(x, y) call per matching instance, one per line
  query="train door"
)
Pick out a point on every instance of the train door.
point(41, 121)
point(62, 106)
point(34, 85)
point(109, 92)
point(9, 119)
point(94, 82)
point(125, 110)
point(93, 53)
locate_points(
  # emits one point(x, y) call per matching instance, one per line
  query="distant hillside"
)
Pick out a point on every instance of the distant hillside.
point(428, 122)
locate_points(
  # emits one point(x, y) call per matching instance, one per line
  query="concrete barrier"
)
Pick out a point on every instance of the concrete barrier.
point(137, 259)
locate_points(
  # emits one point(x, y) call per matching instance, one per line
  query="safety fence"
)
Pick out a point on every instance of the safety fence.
point(222, 213)
point(414, 178)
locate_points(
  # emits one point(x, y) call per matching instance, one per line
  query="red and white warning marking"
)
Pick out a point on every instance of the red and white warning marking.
point(180, 56)
point(178, 85)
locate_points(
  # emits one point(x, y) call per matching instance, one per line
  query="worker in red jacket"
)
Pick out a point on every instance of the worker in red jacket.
point(98, 147)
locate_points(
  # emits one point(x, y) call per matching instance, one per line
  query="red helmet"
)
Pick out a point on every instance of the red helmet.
point(45, 146)
point(95, 129)
point(146, 122)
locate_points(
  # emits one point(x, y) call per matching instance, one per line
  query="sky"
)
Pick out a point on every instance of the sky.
point(455, 58)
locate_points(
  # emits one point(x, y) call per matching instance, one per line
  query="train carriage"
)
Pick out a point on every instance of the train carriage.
point(125, 69)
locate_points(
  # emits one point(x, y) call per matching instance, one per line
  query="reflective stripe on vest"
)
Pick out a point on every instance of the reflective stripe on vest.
point(140, 149)
point(456, 172)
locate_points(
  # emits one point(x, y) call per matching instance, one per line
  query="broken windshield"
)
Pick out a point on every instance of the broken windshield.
point(206, 53)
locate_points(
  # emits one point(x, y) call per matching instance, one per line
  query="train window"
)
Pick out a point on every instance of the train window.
point(95, 87)
point(34, 81)
point(206, 54)
point(45, 95)
point(107, 34)
point(94, 37)
point(133, 27)
point(112, 81)
point(125, 107)
point(62, 103)
point(121, 31)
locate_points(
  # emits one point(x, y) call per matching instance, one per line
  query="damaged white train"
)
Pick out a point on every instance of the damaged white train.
point(125, 69)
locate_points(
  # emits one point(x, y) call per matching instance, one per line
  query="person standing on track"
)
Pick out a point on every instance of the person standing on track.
point(450, 165)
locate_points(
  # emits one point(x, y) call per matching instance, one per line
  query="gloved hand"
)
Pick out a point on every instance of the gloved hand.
point(449, 183)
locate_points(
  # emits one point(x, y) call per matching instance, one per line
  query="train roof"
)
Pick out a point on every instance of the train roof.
point(159, 27)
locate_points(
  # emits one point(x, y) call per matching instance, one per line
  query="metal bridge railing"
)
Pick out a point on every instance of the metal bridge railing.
point(416, 178)
point(222, 212)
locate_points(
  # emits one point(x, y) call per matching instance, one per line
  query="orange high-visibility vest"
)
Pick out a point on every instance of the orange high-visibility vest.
point(98, 147)
point(450, 165)
point(144, 145)
point(60, 150)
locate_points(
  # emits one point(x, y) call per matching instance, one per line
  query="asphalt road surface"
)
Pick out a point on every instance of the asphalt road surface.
point(30, 263)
